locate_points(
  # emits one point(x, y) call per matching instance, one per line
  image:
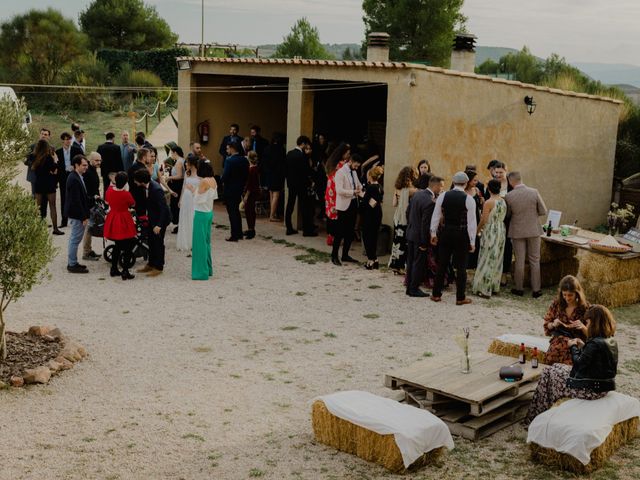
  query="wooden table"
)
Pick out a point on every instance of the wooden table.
point(473, 405)
point(560, 240)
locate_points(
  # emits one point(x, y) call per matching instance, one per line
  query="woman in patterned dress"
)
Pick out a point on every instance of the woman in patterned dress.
point(595, 364)
point(565, 320)
point(493, 234)
point(404, 190)
point(335, 162)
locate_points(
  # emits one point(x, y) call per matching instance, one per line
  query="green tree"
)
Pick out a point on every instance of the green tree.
point(35, 47)
point(303, 41)
point(420, 30)
point(347, 55)
point(488, 67)
point(125, 24)
point(25, 244)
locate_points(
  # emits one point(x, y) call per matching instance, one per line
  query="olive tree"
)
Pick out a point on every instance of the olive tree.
point(25, 244)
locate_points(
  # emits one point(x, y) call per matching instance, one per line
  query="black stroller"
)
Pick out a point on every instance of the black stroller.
point(141, 246)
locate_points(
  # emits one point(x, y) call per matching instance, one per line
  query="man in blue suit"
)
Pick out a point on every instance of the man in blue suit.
point(233, 137)
point(234, 179)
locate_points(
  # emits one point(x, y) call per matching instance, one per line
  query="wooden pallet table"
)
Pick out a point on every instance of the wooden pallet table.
point(473, 405)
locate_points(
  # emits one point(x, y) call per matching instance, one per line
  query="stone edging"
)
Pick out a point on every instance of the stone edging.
point(70, 353)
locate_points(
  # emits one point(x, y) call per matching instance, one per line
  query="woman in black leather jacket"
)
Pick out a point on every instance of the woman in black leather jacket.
point(594, 366)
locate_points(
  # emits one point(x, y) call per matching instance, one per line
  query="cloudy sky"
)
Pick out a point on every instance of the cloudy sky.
point(580, 30)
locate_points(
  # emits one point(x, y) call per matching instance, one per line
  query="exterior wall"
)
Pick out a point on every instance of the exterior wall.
point(565, 149)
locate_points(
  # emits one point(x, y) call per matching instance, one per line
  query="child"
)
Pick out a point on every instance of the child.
point(251, 194)
point(371, 208)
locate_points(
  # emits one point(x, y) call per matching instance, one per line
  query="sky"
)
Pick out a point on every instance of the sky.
point(602, 31)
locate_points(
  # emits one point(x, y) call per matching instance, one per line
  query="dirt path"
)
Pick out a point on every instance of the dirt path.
point(215, 379)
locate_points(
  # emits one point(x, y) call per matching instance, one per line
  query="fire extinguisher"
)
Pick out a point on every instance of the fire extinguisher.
point(203, 132)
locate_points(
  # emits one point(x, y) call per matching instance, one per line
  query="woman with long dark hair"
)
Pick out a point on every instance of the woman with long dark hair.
point(44, 163)
point(340, 155)
point(404, 190)
point(203, 197)
point(595, 365)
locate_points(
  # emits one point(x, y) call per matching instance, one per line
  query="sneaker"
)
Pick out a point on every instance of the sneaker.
point(77, 269)
point(90, 257)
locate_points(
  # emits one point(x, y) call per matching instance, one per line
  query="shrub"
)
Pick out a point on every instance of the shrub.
point(161, 61)
point(140, 79)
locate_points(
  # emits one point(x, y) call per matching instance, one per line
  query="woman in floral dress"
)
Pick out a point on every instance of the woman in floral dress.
point(404, 190)
point(335, 162)
point(493, 234)
point(565, 320)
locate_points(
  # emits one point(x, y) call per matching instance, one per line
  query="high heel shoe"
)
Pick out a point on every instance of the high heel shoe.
point(127, 276)
point(369, 265)
point(376, 265)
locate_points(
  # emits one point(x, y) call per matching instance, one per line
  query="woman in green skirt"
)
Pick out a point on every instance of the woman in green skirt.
point(204, 195)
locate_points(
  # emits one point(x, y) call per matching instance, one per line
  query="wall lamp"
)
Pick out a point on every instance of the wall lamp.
point(184, 64)
point(531, 105)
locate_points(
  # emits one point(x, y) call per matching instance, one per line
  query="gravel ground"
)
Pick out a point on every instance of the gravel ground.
point(204, 380)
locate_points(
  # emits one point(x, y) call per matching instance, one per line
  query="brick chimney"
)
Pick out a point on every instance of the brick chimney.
point(378, 47)
point(463, 56)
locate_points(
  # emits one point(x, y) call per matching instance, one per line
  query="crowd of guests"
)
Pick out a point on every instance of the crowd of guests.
point(439, 234)
point(582, 353)
point(142, 196)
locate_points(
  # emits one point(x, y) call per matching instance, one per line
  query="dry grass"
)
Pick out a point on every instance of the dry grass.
point(499, 347)
point(622, 432)
point(359, 441)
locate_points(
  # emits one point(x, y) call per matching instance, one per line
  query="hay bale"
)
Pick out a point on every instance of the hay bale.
point(620, 434)
point(498, 347)
point(606, 269)
point(551, 273)
point(553, 252)
point(359, 441)
point(612, 295)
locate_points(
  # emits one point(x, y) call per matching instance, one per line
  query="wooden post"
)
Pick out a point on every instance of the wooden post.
point(133, 115)
point(146, 122)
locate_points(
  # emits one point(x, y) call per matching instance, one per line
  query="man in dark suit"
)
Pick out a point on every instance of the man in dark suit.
point(111, 159)
point(92, 186)
point(76, 208)
point(65, 154)
point(138, 193)
point(234, 179)
point(419, 215)
point(78, 139)
point(159, 219)
point(233, 137)
point(299, 174)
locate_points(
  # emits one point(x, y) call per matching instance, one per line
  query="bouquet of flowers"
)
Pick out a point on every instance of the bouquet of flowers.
point(618, 218)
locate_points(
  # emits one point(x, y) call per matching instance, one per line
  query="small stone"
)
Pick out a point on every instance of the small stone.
point(37, 375)
point(54, 366)
point(64, 363)
point(38, 331)
point(71, 353)
point(55, 333)
point(82, 351)
point(16, 381)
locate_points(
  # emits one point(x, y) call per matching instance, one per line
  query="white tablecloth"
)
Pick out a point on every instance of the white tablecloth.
point(577, 427)
point(416, 431)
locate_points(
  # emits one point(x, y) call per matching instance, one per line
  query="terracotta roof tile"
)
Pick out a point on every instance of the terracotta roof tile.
point(390, 65)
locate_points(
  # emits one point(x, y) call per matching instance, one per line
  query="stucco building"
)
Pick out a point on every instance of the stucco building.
point(453, 118)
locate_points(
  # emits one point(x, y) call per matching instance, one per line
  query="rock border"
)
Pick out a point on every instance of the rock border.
point(70, 353)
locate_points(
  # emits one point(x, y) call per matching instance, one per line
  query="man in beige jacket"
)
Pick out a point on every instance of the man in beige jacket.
point(524, 207)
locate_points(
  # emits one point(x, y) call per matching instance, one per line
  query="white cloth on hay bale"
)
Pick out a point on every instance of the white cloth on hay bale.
point(415, 431)
point(542, 343)
point(577, 427)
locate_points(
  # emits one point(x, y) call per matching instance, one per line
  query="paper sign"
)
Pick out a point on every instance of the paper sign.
point(554, 218)
point(632, 235)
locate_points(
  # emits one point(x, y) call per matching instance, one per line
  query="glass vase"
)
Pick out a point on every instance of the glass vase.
point(465, 363)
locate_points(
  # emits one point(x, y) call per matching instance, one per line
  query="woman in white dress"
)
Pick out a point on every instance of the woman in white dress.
point(185, 224)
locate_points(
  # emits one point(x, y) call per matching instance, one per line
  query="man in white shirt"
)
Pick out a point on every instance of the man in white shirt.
point(457, 238)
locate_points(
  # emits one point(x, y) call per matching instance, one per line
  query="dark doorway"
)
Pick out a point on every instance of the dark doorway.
point(350, 111)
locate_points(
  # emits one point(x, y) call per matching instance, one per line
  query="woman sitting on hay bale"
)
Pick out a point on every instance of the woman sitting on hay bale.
point(594, 369)
point(565, 320)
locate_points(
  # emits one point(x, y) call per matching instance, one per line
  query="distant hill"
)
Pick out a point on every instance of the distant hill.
point(612, 73)
point(335, 49)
